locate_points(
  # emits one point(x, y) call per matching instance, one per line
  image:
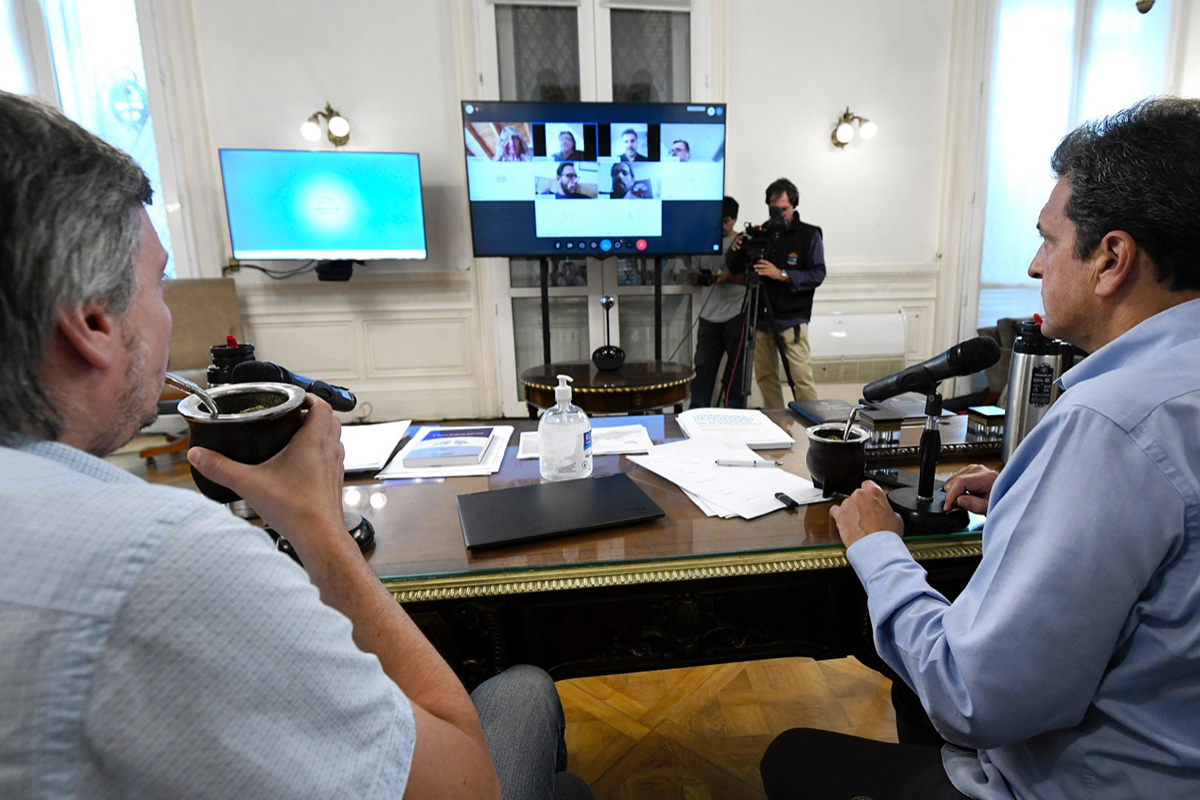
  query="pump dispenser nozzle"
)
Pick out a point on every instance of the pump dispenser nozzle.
point(562, 392)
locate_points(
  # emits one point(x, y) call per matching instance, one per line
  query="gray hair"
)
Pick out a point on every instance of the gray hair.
point(1138, 171)
point(70, 229)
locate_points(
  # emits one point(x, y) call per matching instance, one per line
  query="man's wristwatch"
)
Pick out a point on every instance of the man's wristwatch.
point(783, 274)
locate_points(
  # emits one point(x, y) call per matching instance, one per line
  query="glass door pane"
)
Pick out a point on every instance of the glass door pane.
point(636, 317)
point(1126, 58)
point(568, 332)
point(651, 63)
point(538, 49)
point(1031, 101)
point(96, 48)
point(651, 56)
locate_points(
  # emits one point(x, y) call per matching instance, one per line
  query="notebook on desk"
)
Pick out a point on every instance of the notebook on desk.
point(820, 411)
point(526, 513)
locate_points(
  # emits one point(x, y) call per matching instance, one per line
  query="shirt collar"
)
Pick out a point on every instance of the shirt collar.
point(1163, 331)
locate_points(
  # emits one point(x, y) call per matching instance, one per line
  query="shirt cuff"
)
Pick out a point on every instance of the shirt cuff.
point(871, 553)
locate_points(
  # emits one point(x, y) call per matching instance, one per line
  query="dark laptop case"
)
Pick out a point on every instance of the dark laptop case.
point(524, 513)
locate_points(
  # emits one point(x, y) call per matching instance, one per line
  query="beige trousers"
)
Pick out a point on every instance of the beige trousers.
point(766, 367)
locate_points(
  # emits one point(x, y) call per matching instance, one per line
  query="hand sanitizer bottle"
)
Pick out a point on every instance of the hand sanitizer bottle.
point(564, 438)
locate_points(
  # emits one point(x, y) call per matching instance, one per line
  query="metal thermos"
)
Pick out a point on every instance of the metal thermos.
point(224, 358)
point(1037, 362)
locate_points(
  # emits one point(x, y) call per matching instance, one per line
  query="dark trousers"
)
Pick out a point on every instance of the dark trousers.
point(822, 765)
point(713, 340)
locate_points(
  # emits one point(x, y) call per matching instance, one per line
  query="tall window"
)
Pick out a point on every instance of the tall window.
point(538, 49)
point(1057, 63)
point(651, 56)
point(95, 56)
point(15, 74)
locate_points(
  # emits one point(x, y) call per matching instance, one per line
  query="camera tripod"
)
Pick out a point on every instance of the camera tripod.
point(751, 303)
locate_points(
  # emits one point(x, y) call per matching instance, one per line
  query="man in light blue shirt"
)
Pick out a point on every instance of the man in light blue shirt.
point(151, 643)
point(1070, 665)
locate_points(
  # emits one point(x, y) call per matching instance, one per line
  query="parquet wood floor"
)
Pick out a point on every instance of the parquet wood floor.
point(698, 733)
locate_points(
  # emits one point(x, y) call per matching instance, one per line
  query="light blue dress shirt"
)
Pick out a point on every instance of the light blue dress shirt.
point(153, 645)
point(1070, 665)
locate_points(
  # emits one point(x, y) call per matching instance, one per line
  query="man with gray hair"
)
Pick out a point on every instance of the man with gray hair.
point(1068, 665)
point(151, 643)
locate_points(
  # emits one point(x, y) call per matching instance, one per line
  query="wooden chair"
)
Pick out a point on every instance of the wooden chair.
point(204, 311)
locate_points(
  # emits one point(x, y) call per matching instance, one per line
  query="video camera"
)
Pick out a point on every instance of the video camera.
point(758, 239)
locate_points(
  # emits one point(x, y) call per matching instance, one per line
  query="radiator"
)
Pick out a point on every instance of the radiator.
point(856, 348)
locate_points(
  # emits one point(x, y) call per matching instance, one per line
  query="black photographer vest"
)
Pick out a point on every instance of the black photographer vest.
point(797, 239)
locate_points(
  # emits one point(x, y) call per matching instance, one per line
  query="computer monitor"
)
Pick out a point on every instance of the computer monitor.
point(324, 206)
point(647, 178)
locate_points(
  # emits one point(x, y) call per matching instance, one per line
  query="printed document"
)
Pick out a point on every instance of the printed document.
point(746, 426)
point(747, 492)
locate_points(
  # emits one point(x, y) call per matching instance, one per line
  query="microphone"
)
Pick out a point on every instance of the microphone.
point(266, 372)
point(965, 358)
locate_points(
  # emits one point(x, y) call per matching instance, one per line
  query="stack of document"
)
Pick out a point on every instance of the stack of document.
point(489, 465)
point(746, 426)
point(726, 491)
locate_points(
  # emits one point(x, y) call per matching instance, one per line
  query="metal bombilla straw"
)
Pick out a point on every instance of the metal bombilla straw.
point(180, 382)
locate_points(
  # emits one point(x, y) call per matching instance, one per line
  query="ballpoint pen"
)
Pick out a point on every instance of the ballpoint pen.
point(745, 462)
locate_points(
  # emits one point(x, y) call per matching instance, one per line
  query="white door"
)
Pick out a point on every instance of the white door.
point(589, 50)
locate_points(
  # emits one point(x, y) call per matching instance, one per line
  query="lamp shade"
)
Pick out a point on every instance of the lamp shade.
point(867, 130)
point(844, 132)
point(338, 126)
point(310, 131)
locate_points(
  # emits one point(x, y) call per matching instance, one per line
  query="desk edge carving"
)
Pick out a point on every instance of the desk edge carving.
point(514, 582)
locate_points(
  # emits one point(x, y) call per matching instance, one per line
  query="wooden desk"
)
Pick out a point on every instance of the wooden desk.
point(634, 386)
point(683, 590)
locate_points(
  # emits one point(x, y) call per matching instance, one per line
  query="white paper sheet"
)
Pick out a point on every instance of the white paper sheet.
point(368, 446)
point(617, 440)
point(489, 465)
point(725, 491)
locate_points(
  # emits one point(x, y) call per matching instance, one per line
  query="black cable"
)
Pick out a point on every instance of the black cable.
point(703, 306)
point(277, 274)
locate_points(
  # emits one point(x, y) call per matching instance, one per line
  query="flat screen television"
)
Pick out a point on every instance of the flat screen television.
point(323, 206)
point(651, 177)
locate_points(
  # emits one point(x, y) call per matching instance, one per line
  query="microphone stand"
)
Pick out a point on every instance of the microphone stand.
point(921, 507)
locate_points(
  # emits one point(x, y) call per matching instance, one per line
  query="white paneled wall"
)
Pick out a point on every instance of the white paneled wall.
point(419, 339)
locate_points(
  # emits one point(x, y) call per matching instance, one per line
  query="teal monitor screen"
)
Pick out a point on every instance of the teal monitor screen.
point(324, 206)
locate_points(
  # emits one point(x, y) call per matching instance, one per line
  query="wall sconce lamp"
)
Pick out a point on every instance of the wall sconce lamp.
point(843, 130)
point(337, 128)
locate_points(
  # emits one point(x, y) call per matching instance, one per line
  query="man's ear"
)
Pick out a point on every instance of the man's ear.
point(1116, 261)
point(91, 332)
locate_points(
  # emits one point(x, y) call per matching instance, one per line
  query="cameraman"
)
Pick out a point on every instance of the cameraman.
point(721, 319)
point(789, 262)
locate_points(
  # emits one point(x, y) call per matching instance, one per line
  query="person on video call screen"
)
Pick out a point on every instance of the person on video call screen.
point(629, 140)
point(626, 185)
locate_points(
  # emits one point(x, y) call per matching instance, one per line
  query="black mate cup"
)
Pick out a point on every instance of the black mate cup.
point(254, 421)
point(836, 464)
